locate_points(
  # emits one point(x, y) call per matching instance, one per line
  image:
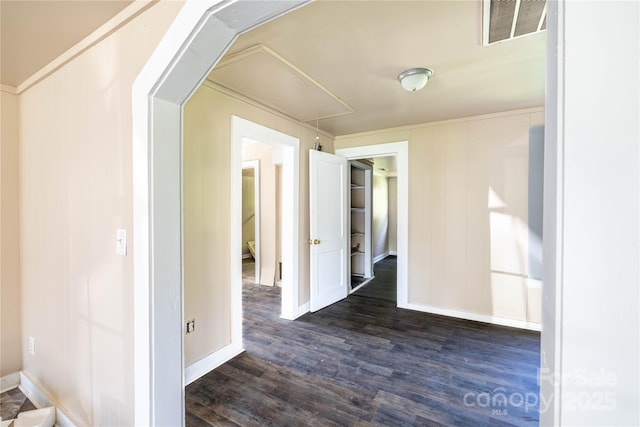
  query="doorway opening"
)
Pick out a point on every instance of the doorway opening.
point(398, 151)
point(382, 283)
point(262, 213)
point(283, 156)
point(251, 221)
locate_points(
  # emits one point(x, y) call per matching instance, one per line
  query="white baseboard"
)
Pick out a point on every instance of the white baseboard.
point(211, 362)
point(9, 382)
point(394, 253)
point(41, 399)
point(33, 393)
point(364, 282)
point(521, 324)
point(380, 257)
point(299, 311)
point(302, 310)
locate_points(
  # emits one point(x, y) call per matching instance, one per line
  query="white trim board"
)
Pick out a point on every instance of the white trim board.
point(38, 397)
point(237, 96)
point(8, 89)
point(106, 29)
point(361, 285)
point(380, 257)
point(501, 321)
point(41, 399)
point(377, 132)
point(9, 382)
point(210, 362)
point(302, 310)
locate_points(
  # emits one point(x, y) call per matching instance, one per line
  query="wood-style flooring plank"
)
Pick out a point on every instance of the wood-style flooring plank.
point(364, 362)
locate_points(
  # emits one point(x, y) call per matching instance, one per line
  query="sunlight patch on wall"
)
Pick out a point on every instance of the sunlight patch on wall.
point(509, 260)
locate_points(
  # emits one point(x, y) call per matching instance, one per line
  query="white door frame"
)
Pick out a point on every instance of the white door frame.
point(241, 130)
point(255, 165)
point(401, 151)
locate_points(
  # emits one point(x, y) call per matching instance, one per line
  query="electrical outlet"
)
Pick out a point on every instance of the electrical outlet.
point(191, 325)
point(32, 346)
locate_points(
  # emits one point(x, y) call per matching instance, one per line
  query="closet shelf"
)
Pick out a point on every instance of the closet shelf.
point(361, 182)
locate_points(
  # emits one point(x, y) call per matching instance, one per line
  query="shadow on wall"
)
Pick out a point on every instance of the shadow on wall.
point(516, 241)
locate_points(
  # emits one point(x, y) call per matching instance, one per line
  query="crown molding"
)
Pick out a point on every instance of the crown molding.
point(105, 30)
point(9, 89)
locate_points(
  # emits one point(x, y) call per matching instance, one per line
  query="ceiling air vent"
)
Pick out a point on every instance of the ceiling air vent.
point(509, 19)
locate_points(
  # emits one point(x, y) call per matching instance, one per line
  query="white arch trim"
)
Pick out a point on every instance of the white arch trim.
point(199, 36)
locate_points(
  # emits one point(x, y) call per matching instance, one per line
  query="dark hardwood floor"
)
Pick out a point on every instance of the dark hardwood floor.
point(385, 284)
point(364, 362)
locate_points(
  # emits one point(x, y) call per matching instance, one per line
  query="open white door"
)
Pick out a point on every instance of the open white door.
point(328, 228)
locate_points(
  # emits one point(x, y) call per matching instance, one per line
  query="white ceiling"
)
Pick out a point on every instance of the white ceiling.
point(34, 33)
point(356, 49)
point(266, 77)
point(349, 52)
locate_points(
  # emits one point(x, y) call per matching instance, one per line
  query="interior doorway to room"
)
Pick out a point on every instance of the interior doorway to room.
point(382, 216)
point(261, 213)
point(251, 221)
point(275, 160)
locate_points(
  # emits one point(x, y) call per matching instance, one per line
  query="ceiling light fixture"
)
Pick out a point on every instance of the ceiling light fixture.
point(414, 78)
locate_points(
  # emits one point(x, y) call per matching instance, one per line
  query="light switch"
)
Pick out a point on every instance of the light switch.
point(121, 242)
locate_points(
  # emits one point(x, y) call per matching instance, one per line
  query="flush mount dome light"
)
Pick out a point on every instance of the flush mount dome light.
point(414, 78)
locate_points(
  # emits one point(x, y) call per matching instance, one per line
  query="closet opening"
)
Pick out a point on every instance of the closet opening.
point(373, 226)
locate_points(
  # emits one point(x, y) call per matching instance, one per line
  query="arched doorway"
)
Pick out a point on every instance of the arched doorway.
point(193, 44)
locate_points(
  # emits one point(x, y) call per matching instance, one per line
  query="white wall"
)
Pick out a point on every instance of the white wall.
point(10, 320)
point(468, 237)
point(380, 220)
point(591, 334)
point(75, 191)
